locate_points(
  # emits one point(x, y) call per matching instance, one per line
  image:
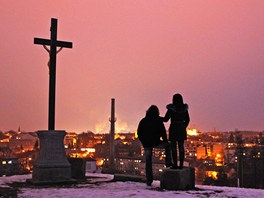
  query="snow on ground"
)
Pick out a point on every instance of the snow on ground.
point(100, 186)
point(4, 181)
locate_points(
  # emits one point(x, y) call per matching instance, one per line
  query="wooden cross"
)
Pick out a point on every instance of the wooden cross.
point(53, 43)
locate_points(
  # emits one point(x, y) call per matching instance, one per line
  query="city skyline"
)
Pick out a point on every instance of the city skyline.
point(138, 52)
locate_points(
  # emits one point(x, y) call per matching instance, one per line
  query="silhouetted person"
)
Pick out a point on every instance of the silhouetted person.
point(150, 129)
point(177, 112)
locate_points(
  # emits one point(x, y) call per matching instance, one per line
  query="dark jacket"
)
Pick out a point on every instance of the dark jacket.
point(150, 130)
point(179, 121)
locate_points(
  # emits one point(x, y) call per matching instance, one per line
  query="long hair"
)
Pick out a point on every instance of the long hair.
point(177, 100)
point(152, 112)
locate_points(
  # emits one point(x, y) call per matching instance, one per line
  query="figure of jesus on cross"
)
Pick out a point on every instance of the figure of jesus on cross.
point(53, 43)
point(48, 50)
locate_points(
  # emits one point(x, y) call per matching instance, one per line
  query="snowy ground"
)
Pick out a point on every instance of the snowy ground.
point(101, 186)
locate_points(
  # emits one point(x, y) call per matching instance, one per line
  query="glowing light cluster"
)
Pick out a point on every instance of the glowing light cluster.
point(212, 174)
point(117, 135)
point(192, 132)
point(89, 150)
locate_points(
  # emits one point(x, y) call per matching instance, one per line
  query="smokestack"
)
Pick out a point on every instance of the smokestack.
point(112, 136)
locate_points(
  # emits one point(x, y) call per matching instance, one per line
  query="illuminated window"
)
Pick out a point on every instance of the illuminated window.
point(3, 162)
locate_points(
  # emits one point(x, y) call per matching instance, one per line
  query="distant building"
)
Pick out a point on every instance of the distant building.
point(86, 140)
point(91, 167)
point(129, 165)
point(230, 153)
point(252, 167)
point(213, 151)
point(3, 137)
point(5, 151)
point(70, 139)
point(190, 149)
point(9, 166)
point(24, 141)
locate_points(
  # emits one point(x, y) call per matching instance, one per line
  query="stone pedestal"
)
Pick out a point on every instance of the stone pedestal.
point(178, 179)
point(52, 165)
point(78, 166)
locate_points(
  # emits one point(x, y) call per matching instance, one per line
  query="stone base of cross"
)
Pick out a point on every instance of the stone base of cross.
point(52, 165)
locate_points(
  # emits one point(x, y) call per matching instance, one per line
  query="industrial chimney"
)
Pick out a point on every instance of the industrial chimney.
point(112, 136)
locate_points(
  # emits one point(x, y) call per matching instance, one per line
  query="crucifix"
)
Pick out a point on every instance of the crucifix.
point(53, 43)
point(48, 50)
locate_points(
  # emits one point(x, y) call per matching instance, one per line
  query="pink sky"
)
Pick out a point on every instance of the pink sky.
point(138, 52)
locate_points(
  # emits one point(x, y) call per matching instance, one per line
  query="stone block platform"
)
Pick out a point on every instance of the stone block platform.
point(178, 179)
point(77, 167)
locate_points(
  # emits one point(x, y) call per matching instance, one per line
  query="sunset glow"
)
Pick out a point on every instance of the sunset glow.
point(138, 52)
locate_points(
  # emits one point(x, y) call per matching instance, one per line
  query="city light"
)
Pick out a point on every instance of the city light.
point(89, 150)
point(212, 174)
point(192, 132)
point(209, 153)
